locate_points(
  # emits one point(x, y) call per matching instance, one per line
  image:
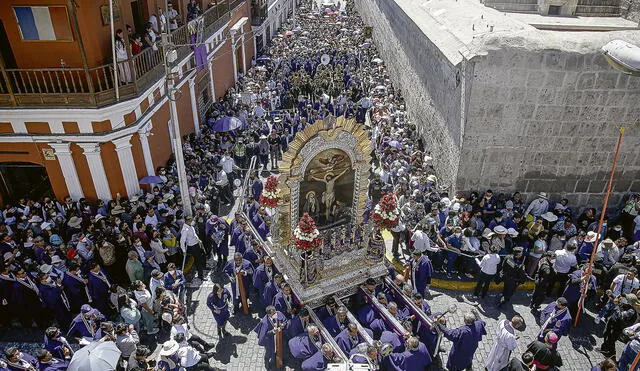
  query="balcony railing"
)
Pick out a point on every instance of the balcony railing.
point(94, 87)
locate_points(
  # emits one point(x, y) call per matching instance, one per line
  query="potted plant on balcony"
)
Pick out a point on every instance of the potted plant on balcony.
point(306, 239)
point(386, 215)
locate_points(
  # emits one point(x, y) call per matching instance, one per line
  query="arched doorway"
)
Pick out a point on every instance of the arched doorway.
point(23, 180)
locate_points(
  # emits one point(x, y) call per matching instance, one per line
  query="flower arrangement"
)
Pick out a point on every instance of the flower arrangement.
point(386, 214)
point(306, 235)
point(270, 196)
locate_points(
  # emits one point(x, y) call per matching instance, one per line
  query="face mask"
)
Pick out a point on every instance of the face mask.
point(193, 223)
point(498, 219)
point(172, 271)
point(138, 243)
point(617, 229)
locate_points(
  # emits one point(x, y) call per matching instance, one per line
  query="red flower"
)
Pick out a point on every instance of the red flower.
point(386, 214)
point(306, 236)
point(270, 196)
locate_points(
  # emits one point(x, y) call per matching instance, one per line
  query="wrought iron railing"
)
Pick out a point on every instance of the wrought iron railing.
point(94, 87)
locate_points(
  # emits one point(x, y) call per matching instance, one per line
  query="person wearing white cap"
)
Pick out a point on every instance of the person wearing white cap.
point(538, 206)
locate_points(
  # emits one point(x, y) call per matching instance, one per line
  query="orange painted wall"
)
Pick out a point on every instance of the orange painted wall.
point(223, 69)
point(56, 178)
point(82, 168)
point(112, 169)
point(159, 142)
point(138, 157)
point(40, 54)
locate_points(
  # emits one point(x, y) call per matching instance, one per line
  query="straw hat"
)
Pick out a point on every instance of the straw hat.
point(169, 348)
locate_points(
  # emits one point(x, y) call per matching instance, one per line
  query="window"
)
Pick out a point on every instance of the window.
point(554, 9)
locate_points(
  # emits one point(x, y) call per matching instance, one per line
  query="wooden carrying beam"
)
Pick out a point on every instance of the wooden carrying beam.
point(384, 313)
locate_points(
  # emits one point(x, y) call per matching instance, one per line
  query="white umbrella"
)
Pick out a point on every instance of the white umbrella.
point(97, 356)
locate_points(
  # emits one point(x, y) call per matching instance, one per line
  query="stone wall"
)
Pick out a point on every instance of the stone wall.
point(430, 83)
point(543, 119)
point(630, 9)
point(540, 111)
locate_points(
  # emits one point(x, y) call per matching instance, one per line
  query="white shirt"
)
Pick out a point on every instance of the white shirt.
point(421, 241)
point(153, 220)
point(227, 164)
point(188, 237)
point(537, 207)
point(564, 261)
point(636, 222)
point(489, 264)
point(183, 328)
point(221, 178)
point(188, 356)
point(624, 285)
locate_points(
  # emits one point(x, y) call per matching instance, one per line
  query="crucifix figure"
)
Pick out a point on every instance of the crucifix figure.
point(329, 196)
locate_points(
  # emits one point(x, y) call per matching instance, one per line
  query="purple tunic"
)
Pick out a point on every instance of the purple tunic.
point(230, 270)
point(465, 341)
point(366, 315)
point(393, 339)
point(421, 273)
point(345, 342)
point(220, 304)
point(266, 338)
point(334, 326)
point(558, 321)
point(417, 359)
point(261, 277)
point(280, 302)
point(317, 362)
point(302, 347)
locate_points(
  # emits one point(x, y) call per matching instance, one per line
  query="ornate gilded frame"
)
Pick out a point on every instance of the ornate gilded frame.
point(332, 133)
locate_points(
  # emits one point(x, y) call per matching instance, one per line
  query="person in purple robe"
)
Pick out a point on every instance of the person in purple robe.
point(85, 324)
point(298, 324)
point(421, 303)
point(574, 286)
point(243, 267)
point(366, 354)
point(259, 217)
point(420, 270)
point(218, 303)
point(270, 324)
point(391, 337)
point(255, 254)
point(360, 298)
point(465, 340)
point(237, 229)
point(18, 361)
point(99, 288)
point(348, 338)
point(416, 355)
point(244, 241)
point(337, 323)
point(328, 309)
point(555, 317)
point(26, 299)
point(75, 287)
point(57, 344)
point(306, 344)
point(285, 302)
point(271, 289)
point(54, 299)
point(320, 360)
point(47, 362)
point(256, 188)
point(264, 229)
point(217, 231)
point(366, 314)
point(264, 274)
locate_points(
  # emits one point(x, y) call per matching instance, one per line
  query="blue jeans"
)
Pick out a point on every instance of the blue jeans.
point(606, 310)
point(451, 260)
point(626, 359)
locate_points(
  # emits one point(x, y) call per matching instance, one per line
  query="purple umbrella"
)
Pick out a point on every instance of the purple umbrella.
point(151, 179)
point(227, 123)
point(395, 144)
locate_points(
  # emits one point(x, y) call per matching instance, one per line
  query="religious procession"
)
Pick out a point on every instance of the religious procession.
point(318, 213)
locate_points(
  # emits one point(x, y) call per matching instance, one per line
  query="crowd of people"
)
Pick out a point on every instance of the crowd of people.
point(112, 270)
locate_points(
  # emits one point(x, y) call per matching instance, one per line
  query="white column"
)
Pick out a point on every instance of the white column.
point(127, 164)
point(244, 58)
point(233, 57)
point(98, 175)
point(255, 46)
point(194, 106)
point(146, 149)
point(211, 82)
point(68, 167)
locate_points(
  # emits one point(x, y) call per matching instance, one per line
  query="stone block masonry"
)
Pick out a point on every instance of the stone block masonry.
point(515, 109)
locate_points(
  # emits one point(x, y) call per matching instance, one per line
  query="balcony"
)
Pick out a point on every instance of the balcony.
point(94, 87)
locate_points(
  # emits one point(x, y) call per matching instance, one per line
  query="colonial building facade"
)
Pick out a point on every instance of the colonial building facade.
point(68, 128)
